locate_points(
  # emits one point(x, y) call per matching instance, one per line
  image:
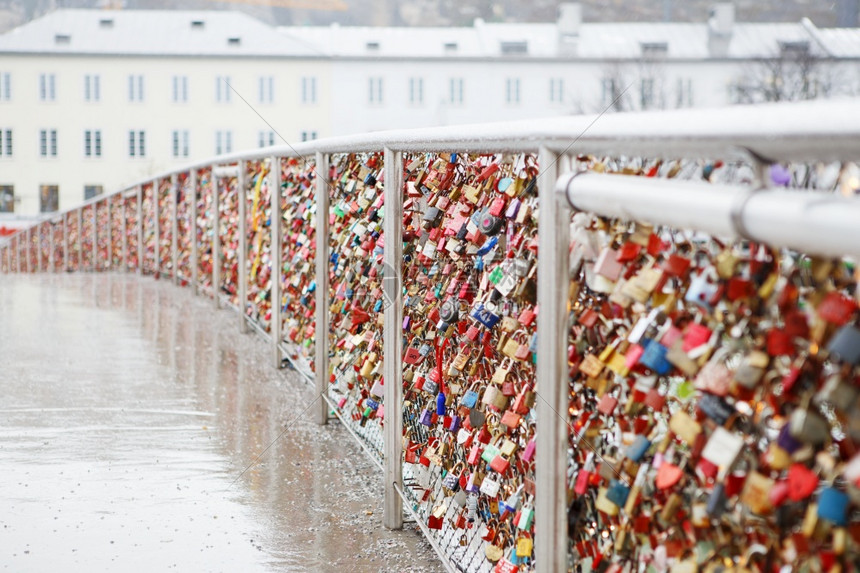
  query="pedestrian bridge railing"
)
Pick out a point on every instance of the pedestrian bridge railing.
point(621, 342)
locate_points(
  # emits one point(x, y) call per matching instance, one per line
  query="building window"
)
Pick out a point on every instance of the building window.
point(375, 93)
point(512, 90)
point(685, 92)
point(266, 89)
point(309, 90)
point(91, 191)
point(556, 90)
point(416, 91)
point(180, 89)
point(136, 143)
point(47, 87)
point(222, 89)
point(455, 91)
point(93, 143)
point(5, 86)
point(646, 93)
point(611, 91)
point(135, 88)
point(266, 138)
point(7, 198)
point(49, 198)
point(180, 143)
point(5, 143)
point(223, 142)
point(309, 135)
point(48, 143)
point(92, 87)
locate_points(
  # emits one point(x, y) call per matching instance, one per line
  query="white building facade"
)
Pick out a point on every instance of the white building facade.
point(92, 100)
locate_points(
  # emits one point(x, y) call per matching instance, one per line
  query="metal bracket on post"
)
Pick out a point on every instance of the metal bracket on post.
point(242, 275)
point(192, 218)
point(174, 227)
point(95, 246)
point(551, 387)
point(140, 248)
point(392, 369)
point(216, 239)
point(275, 256)
point(321, 231)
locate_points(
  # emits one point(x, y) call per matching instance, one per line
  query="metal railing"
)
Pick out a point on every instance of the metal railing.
point(180, 215)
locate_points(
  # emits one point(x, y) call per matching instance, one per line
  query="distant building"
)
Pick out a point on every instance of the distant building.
point(91, 100)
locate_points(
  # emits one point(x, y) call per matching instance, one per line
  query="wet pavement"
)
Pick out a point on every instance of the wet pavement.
point(129, 410)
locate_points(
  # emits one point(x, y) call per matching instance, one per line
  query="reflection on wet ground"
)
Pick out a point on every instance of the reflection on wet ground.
point(130, 407)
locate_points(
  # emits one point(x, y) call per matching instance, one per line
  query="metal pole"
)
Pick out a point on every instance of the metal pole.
point(551, 388)
point(140, 247)
point(275, 256)
point(40, 238)
point(192, 216)
point(242, 274)
point(109, 258)
point(216, 239)
point(174, 256)
point(65, 242)
point(52, 247)
point(321, 347)
point(95, 245)
point(156, 199)
point(392, 369)
point(124, 239)
point(80, 213)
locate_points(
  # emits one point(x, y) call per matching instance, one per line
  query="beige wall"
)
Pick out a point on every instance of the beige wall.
point(158, 115)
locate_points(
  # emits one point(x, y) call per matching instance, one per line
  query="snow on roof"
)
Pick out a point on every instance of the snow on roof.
point(151, 32)
point(225, 33)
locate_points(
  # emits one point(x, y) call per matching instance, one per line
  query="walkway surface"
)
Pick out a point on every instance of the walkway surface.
point(130, 409)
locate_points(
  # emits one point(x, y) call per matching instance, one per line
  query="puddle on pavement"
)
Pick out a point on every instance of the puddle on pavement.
point(130, 410)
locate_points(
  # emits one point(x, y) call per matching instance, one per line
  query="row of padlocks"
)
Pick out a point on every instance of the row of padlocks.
point(712, 386)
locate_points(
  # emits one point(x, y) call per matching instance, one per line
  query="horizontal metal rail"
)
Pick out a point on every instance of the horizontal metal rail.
point(806, 131)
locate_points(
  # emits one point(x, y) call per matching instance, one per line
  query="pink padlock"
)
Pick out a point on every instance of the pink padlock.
point(529, 452)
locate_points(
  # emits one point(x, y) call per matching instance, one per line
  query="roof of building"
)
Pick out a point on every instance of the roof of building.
point(226, 33)
point(152, 32)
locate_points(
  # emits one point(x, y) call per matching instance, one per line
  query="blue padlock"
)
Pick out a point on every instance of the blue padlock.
point(440, 404)
point(618, 492)
point(654, 358)
point(833, 506)
point(469, 399)
point(485, 316)
point(637, 449)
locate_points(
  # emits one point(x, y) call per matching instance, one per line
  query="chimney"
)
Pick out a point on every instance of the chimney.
point(720, 29)
point(847, 15)
point(569, 23)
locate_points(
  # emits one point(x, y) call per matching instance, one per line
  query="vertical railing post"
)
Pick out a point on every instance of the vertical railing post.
point(65, 242)
point(80, 213)
point(321, 294)
point(52, 247)
point(392, 370)
point(216, 239)
point(141, 250)
point(321, 348)
point(40, 240)
point(18, 250)
point(124, 239)
point(29, 249)
point(174, 227)
point(95, 245)
point(192, 216)
point(275, 257)
point(156, 198)
point(242, 274)
point(552, 405)
point(109, 204)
